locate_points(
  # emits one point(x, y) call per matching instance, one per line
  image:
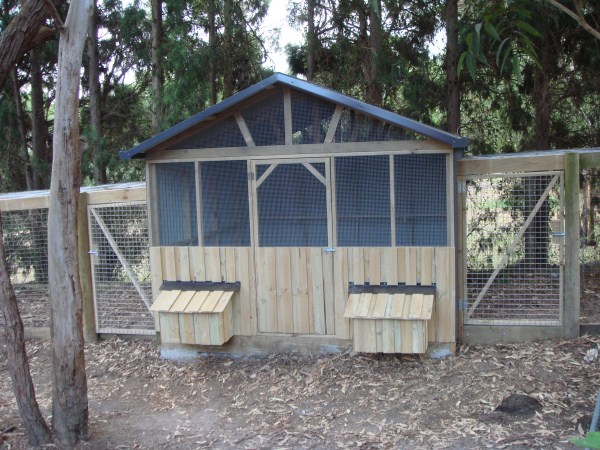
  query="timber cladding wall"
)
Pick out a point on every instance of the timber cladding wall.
point(305, 290)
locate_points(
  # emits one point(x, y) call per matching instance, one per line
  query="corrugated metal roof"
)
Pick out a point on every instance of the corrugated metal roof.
point(306, 87)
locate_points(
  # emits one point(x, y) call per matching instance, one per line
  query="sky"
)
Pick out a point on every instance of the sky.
point(277, 19)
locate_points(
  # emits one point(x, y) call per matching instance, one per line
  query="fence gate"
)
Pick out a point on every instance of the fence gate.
point(119, 253)
point(513, 235)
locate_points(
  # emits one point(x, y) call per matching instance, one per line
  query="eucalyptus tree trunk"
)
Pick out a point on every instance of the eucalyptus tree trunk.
point(22, 133)
point(95, 101)
point(35, 426)
point(39, 131)
point(69, 395)
point(228, 81)
point(212, 45)
point(157, 66)
point(452, 56)
point(311, 41)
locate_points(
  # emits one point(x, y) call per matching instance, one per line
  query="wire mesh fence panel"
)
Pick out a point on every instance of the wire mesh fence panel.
point(121, 268)
point(26, 246)
point(514, 237)
point(589, 250)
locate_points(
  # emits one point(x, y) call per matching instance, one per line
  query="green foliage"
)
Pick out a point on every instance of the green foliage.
point(591, 440)
point(505, 31)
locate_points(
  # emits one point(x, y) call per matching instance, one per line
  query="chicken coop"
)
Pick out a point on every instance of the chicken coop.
point(290, 215)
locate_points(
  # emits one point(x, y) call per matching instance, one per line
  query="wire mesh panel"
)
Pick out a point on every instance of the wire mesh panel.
point(292, 205)
point(26, 246)
point(514, 250)
point(121, 268)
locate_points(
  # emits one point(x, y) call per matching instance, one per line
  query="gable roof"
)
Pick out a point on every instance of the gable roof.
point(303, 86)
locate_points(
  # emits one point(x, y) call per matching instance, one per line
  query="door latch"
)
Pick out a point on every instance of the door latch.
point(328, 250)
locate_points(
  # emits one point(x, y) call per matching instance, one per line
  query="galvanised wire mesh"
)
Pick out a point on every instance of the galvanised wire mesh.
point(121, 268)
point(514, 250)
point(26, 246)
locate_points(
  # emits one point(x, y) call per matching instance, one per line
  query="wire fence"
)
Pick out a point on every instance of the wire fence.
point(514, 238)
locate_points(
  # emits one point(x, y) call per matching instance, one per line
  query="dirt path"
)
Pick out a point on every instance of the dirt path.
point(138, 400)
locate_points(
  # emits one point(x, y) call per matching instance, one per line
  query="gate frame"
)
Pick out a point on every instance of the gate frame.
point(571, 162)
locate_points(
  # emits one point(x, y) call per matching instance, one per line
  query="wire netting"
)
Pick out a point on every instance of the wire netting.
point(225, 133)
point(514, 229)
point(176, 204)
point(292, 205)
point(26, 246)
point(265, 120)
point(121, 268)
point(225, 204)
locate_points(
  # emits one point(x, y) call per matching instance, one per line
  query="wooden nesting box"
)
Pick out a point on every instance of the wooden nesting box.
point(195, 313)
point(388, 322)
point(299, 193)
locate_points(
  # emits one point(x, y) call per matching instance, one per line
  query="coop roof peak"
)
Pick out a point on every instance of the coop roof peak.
point(306, 87)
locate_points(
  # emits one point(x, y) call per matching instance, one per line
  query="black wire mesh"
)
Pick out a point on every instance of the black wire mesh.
point(265, 120)
point(420, 200)
point(363, 201)
point(176, 204)
point(225, 133)
point(225, 205)
point(292, 206)
point(357, 127)
point(310, 118)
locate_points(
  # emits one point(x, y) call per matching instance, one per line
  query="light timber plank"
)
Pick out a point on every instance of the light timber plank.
point(445, 312)
point(374, 265)
point(411, 266)
point(211, 301)
point(197, 264)
point(416, 306)
point(401, 258)
point(398, 301)
point(418, 336)
point(186, 328)
point(169, 266)
point(198, 299)
point(509, 164)
point(406, 338)
point(240, 302)
point(287, 116)
point(212, 258)
point(370, 335)
point(388, 338)
point(427, 311)
point(182, 301)
point(271, 283)
point(378, 335)
point(391, 265)
point(183, 258)
point(333, 124)
point(318, 290)
point(310, 290)
point(358, 265)
point(298, 269)
point(201, 329)
point(223, 302)
point(156, 269)
point(244, 129)
point(285, 310)
point(364, 305)
point(380, 306)
point(169, 328)
point(353, 302)
point(427, 266)
point(340, 273)
point(214, 325)
point(164, 301)
point(407, 305)
point(329, 292)
point(230, 264)
point(294, 151)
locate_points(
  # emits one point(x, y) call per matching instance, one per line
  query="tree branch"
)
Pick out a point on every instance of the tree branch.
point(54, 13)
point(577, 16)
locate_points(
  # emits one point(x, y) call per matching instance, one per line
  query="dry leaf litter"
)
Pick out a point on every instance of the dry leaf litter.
point(139, 401)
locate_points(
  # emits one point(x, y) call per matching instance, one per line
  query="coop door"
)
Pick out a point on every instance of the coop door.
point(119, 254)
point(293, 232)
point(513, 231)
